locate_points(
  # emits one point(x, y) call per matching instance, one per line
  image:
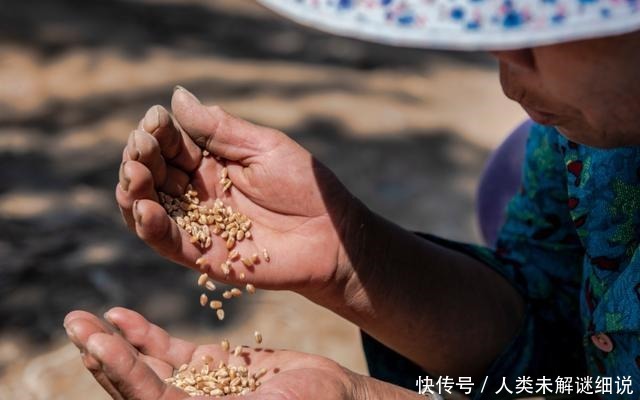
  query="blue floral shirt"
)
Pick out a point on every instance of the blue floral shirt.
point(570, 246)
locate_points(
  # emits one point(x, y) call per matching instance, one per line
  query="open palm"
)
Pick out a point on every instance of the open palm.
point(300, 211)
point(133, 363)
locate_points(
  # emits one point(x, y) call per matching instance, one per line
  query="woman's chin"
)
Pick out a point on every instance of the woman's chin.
point(591, 138)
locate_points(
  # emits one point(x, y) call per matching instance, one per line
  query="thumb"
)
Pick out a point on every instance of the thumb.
point(217, 131)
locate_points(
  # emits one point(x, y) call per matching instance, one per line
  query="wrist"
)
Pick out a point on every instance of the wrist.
point(356, 231)
point(360, 389)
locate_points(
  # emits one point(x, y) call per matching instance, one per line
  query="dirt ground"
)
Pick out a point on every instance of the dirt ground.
point(407, 131)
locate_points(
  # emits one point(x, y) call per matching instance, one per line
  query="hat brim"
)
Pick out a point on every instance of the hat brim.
point(450, 36)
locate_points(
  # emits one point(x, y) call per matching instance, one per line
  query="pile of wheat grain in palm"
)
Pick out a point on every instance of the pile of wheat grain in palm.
point(219, 381)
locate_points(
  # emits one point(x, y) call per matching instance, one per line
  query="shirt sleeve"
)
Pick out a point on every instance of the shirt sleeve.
point(540, 254)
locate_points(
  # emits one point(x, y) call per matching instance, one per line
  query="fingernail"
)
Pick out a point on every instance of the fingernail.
point(73, 336)
point(143, 141)
point(185, 91)
point(110, 321)
point(132, 148)
point(151, 120)
point(163, 116)
point(90, 355)
point(124, 179)
point(136, 213)
point(114, 326)
point(71, 333)
point(108, 318)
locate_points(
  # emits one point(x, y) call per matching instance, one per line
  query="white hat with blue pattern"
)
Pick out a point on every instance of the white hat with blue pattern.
point(465, 24)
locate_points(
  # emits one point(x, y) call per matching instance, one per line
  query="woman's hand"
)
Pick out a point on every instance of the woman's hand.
point(299, 210)
point(428, 302)
point(130, 357)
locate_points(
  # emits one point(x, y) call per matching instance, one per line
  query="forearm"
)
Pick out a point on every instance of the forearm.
point(442, 309)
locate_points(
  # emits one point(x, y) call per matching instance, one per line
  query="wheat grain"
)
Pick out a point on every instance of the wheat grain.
point(202, 279)
point(224, 380)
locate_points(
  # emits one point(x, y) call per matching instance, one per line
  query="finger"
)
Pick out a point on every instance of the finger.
point(161, 368)
point(125, 154)
point(176, 182)
point(144, 148)
point(136, 182)
point(166, 178)
point(80, 326)
point(175, 145)
point(123, 179)
point(128, 373)
point(175, 179)
point(93, 366)
point(218, 132)
point(121, 188)
point(79, 314)
point(149, 338)
point(160, 232)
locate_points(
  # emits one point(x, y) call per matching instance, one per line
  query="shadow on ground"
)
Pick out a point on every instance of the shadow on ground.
point(135, 27)
point(63, 244)
point(83, 257)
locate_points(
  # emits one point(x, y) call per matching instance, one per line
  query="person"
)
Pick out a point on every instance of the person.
point(557, 299)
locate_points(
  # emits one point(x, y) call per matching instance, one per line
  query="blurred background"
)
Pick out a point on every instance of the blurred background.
point(407, 130)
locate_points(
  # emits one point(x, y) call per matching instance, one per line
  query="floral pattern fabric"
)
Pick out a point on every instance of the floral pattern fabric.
point(570, 245)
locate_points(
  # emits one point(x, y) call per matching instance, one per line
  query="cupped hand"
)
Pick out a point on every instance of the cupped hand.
point(130, 357)
point(299, 210)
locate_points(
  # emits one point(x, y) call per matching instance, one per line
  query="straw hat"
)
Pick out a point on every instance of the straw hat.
point(465, 24)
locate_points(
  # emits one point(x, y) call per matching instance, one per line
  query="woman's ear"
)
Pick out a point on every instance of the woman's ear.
point(522, 58)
